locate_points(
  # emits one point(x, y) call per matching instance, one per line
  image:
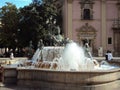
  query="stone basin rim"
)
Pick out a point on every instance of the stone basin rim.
point(63, 71)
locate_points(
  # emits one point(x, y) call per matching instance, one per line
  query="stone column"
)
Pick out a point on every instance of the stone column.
point(64, 14)
point(103, 24)
point(69, 19)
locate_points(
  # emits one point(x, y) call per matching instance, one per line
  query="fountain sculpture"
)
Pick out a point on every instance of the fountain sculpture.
point(64, 68)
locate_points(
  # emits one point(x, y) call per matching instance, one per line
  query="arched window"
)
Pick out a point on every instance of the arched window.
point(86, 14)
point(86, 9)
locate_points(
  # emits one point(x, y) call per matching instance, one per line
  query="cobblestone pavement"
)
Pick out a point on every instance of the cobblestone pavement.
point(15, 87)
point(8, 87)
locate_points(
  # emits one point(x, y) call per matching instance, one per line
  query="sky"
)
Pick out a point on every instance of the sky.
point(18, 3)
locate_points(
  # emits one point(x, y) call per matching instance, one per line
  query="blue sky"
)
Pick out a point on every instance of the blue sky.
point(18, 3)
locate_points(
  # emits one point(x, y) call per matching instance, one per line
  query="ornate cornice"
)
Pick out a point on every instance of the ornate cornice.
point(87, 28)
point(86, 1)
point(86, 31)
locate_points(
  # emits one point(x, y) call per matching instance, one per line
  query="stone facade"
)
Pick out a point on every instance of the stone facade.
point(93, 20)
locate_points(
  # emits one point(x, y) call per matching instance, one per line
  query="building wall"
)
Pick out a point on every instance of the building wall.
point(112, 12)
point(104, 12)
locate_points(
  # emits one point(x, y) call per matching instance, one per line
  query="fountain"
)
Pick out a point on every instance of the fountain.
point(64, 68)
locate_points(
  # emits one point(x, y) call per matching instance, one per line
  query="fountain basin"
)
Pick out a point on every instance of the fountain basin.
point(69, 80)
point(85, 78)
point(49, 79)
point(9, 75)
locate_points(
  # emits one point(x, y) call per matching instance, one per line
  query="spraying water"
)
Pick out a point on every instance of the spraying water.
point(73, 57)
point(36, 55)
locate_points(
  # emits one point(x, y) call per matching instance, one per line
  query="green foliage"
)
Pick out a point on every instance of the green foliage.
point(20, 26)
point(37, 2)
point(9, 20)
point(33, 20)
point(29, 25)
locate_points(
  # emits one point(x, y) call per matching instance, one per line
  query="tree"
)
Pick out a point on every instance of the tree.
point(9, 19)
point(34, 21)
point(29, 25)
point(51, 16)
point(37, 2)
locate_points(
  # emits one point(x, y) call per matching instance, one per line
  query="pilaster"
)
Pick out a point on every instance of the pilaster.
point(69, 19)
point(103, 24)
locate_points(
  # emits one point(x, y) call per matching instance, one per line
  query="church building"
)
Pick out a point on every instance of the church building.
point(97, 21)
